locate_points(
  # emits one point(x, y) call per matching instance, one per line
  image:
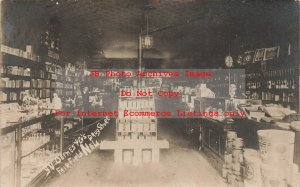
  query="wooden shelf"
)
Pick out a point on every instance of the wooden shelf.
point(14, 89)
point(12, 76)
point(26, 123)
point(12, 60)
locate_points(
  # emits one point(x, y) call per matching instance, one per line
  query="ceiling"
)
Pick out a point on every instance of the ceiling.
point(114, 26)
point(192, 29)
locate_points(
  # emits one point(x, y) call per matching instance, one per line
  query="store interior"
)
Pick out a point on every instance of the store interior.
point(74, 111)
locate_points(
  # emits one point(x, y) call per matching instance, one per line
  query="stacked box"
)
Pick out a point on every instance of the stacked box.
point(136, 127)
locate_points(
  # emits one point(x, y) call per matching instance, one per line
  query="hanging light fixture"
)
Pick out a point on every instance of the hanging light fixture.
point(229, 60)
point(147, 40)
point(229, 64)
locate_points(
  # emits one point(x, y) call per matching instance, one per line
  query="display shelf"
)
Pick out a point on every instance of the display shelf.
point(26, 123)
point(36, 80)
point(273, 81)
point(10, 101)
point(12, 60)
point(41, 178)
point(219, 83)
point(12, 76)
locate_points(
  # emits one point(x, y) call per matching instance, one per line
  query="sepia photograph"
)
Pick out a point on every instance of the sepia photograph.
point(150, 93)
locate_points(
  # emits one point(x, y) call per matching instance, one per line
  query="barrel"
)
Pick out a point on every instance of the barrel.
point(237, 179)
point(252, 163)
point(276, 146)
point(296, 180)
point(230, 177)
point(228, 158)
point(237, 155)
point(273, 176)
point(229, 146)
point(292, 175)
point(238, 143)
point(224, 171)
point(231, 135)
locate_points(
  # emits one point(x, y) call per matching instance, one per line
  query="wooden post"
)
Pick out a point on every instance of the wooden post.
point(61, 134)
point(297, 82)
point(118, 156)
point(155, 155)
point(137, 156)
point(18, 165)
point(140, 59)
point(201, 135)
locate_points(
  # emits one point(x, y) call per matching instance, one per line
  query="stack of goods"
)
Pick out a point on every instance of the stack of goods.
point(31, 107)
point(136, 131)
point(3, 96)
point(277, 151)
point(11, 83)
point(252, 163)
point(20, 53)
point(136, 127)
point(234, 159)
point(16, 70)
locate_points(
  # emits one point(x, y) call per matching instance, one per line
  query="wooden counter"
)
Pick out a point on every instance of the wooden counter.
point(213, 135)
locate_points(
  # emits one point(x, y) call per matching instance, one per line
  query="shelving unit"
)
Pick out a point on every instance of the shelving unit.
point(219, 82)
point(274, 81)
point(23, 72)
point(33, 145)
point(20, 75)
point(136, 137)
point(20, 133)
point(135, 128)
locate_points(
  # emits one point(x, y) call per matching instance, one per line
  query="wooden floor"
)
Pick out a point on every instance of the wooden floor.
point(181, 165)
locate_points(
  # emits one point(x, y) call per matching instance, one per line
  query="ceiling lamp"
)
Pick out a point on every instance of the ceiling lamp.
point(229, 60)
point(147, 40)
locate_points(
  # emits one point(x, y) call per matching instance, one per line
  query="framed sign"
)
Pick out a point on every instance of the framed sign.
point(259, 55)
point(248, 57)
point(271, 53)
point(240, 60)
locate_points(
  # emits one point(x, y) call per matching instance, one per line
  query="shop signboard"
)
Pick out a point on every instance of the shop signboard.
point(240, 60)
point(271, 53)
point(259, 55)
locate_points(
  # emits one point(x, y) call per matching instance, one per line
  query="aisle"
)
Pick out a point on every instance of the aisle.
point(181, 165)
